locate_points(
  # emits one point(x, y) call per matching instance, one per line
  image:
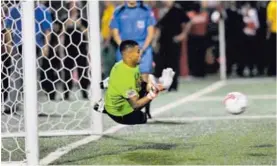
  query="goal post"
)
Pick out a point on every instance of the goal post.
point(30, 83)
point(95, 61)
point(222, 49)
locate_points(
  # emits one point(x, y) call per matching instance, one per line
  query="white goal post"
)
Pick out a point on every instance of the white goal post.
point(30, 83)
point(222, 50)
point(39, 115)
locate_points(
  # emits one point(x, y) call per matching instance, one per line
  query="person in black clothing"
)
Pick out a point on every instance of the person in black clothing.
point(51, 63)
point(6, 46)
point(173, 29)
point(233, 33)
point(75, 50)
point(249, 46)
point(262, 55)
point(198, 42)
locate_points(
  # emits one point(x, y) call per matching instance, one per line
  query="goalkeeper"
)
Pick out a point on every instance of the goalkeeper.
point(127, 93)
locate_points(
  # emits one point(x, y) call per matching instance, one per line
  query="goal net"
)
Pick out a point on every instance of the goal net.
point(67, 57)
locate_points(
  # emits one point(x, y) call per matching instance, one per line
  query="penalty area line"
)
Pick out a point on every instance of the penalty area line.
point(250, 97)
point(216, 118)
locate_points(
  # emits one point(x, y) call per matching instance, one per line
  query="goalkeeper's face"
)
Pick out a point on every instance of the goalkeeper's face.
point(135, 55)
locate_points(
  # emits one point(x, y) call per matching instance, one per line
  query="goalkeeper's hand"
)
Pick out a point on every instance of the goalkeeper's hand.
point(152, 87)
point(153, 92)
point(153, 82)
point(167, 78)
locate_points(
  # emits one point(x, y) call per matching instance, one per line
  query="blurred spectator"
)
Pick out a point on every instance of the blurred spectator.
point(75, 37)
point(271, 20)
point(43, 25)
point(172, 30)
point(105, 22)
point(262, 55)
point(210, 5)
point(197, 41)
point(155, 9)
point(6, 47)
point(249, 38)
point(233, 34)
point(43, 22)
point(52, 63)
point(109, 45)
point(163, 10)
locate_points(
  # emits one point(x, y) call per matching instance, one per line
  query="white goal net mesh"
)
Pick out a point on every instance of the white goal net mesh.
point(63, 73)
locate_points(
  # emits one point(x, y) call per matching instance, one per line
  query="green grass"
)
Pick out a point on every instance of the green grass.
point(226, 142)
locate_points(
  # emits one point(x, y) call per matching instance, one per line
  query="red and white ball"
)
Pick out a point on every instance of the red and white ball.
point(235, 102)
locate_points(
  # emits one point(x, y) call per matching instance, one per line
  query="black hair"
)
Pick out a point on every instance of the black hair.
point(127, 44)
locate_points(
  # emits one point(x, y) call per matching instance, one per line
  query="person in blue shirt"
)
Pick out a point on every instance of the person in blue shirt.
point(43, 20)
point(135, 21)
point(13, 24)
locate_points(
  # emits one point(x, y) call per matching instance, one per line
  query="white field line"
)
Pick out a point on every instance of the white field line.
point(14, 163)
point(216, 118)
point(251, 80)
point(251, 97)
point(64, 150)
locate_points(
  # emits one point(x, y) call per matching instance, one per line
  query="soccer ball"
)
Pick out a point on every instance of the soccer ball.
point(235, 103)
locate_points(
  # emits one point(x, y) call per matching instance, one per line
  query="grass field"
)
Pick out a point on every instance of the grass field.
point(189, 127)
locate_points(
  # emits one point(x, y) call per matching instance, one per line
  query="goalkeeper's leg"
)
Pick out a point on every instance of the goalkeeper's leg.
point(147, 110)
point(99, 106)
point(143, 93)
point(135, 117)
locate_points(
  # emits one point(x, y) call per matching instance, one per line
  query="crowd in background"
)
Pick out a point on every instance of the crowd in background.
point(62, 45)
point(61, 48)
point(249, 45)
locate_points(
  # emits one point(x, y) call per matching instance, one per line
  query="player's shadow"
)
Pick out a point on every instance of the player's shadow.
point(257, 154)
point(125, 145)
point(166, 122)
point(45, 115)
point(263, 146)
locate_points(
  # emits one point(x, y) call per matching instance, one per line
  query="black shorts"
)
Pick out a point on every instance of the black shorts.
point(135, 117)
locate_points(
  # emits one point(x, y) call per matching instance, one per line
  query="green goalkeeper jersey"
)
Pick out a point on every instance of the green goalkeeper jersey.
point(124, 83)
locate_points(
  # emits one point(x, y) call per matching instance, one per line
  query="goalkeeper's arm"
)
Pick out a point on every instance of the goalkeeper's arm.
point(137, 102)
point(163, 83)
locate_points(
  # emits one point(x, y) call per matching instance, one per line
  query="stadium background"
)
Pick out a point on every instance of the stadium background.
point(189, 125)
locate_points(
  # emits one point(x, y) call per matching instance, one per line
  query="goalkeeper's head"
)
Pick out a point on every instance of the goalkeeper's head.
point(130, 52)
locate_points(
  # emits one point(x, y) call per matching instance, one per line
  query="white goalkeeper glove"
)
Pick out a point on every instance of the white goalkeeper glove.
point(167, 77)
point(152, 80)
